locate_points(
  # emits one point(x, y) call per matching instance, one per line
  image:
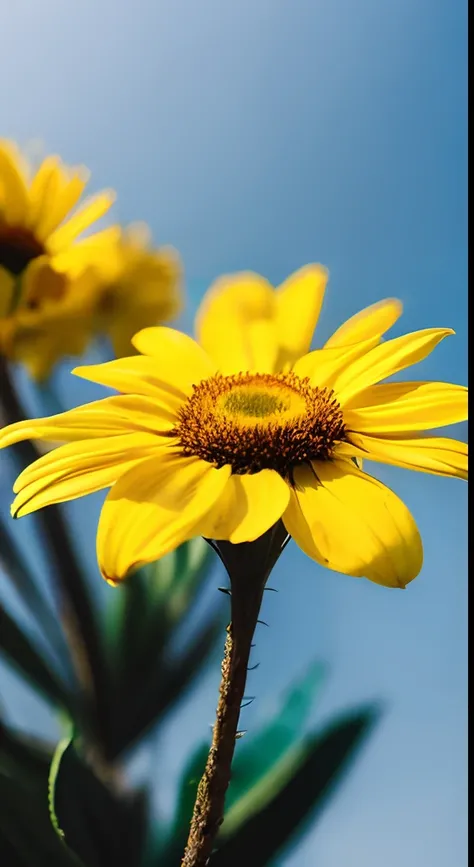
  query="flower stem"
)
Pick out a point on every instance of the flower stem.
point(249, 566)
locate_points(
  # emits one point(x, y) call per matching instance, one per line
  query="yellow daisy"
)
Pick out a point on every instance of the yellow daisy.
point(40, 252)
point(224, 450)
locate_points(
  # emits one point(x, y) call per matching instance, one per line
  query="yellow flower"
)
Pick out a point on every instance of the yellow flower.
point(41, 257)
point(224, 450)
point(135, 286)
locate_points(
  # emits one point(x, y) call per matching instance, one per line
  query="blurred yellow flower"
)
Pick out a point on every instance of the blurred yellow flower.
point(224, 449)
point(57, 291)
point(41, 317)
point(135, 286)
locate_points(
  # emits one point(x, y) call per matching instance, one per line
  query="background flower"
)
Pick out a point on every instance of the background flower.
point(58, 290)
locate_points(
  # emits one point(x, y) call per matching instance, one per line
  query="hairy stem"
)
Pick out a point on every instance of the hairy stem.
point(249, 566)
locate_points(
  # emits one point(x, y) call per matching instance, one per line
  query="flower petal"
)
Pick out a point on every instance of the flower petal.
point(388, 358)
point(140, 376)
point(325, 366)
point(176, 357)
point(438, 455)
point(154, 508)
point(373, 321)
point(298, 305)
point(350, 522)
point(401, 406)
point(247, 508)
point(54, 192)
point(107, 417)
point(234, 315)
point(88, 213)
point(80, 468)
point(12, 187)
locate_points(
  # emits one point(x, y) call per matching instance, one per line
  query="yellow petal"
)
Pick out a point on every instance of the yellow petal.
point(401, 406)
point(325, 366)
point(386, 359)
point(177, 358)
point(100, 251)
point(373, 321)
point(350, 522)
point(298, 305)
point(107, 417)
point(228, 322)
point(43, 191)
point(7, 293)
point(438, 455)
point(137, 375)
point(12, 183)
point(154, 508)
point(247, 508)
point(79, 468)
point(91, 210)
point(54, 193)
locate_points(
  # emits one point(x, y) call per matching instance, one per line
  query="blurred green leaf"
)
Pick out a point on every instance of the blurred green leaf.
point(257, 754)
point(145, 619)
point(17, 569)
point(27, 838)
point(81, 621)
point(162, 684)
point(191, 565)
point(151, 605)
point(21, 653)
point(318, 764)
point(99, 825)
point(24, 757)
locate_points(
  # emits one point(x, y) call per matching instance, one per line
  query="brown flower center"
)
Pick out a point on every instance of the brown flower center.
point(260, 421)
point(18, 247)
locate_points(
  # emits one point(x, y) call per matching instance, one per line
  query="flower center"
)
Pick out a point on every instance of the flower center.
point(18, 247)
point(260, 421)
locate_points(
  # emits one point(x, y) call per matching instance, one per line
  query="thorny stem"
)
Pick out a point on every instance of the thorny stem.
point(76, 610)
point(249, 566)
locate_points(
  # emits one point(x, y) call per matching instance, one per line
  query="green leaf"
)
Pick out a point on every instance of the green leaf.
point(21, 653)
point(99, 825)
point(27, 838)
point(164, 683)
point(151, 604)
point(81, 621)
point(317, 765)
point(145, 620)
point(17, 569)
point(191, 565)
point(23, 757)
point(259, 753)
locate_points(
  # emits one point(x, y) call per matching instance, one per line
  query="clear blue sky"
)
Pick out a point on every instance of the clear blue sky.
point(262, 135)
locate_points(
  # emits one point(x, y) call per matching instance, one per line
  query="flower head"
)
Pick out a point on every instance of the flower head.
point(226, 448)
point(43, 310)
point(58, 290)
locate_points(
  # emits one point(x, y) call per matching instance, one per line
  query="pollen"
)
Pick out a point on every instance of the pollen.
point(253, 422)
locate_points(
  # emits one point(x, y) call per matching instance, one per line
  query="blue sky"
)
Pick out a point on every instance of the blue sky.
point(264, 135)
